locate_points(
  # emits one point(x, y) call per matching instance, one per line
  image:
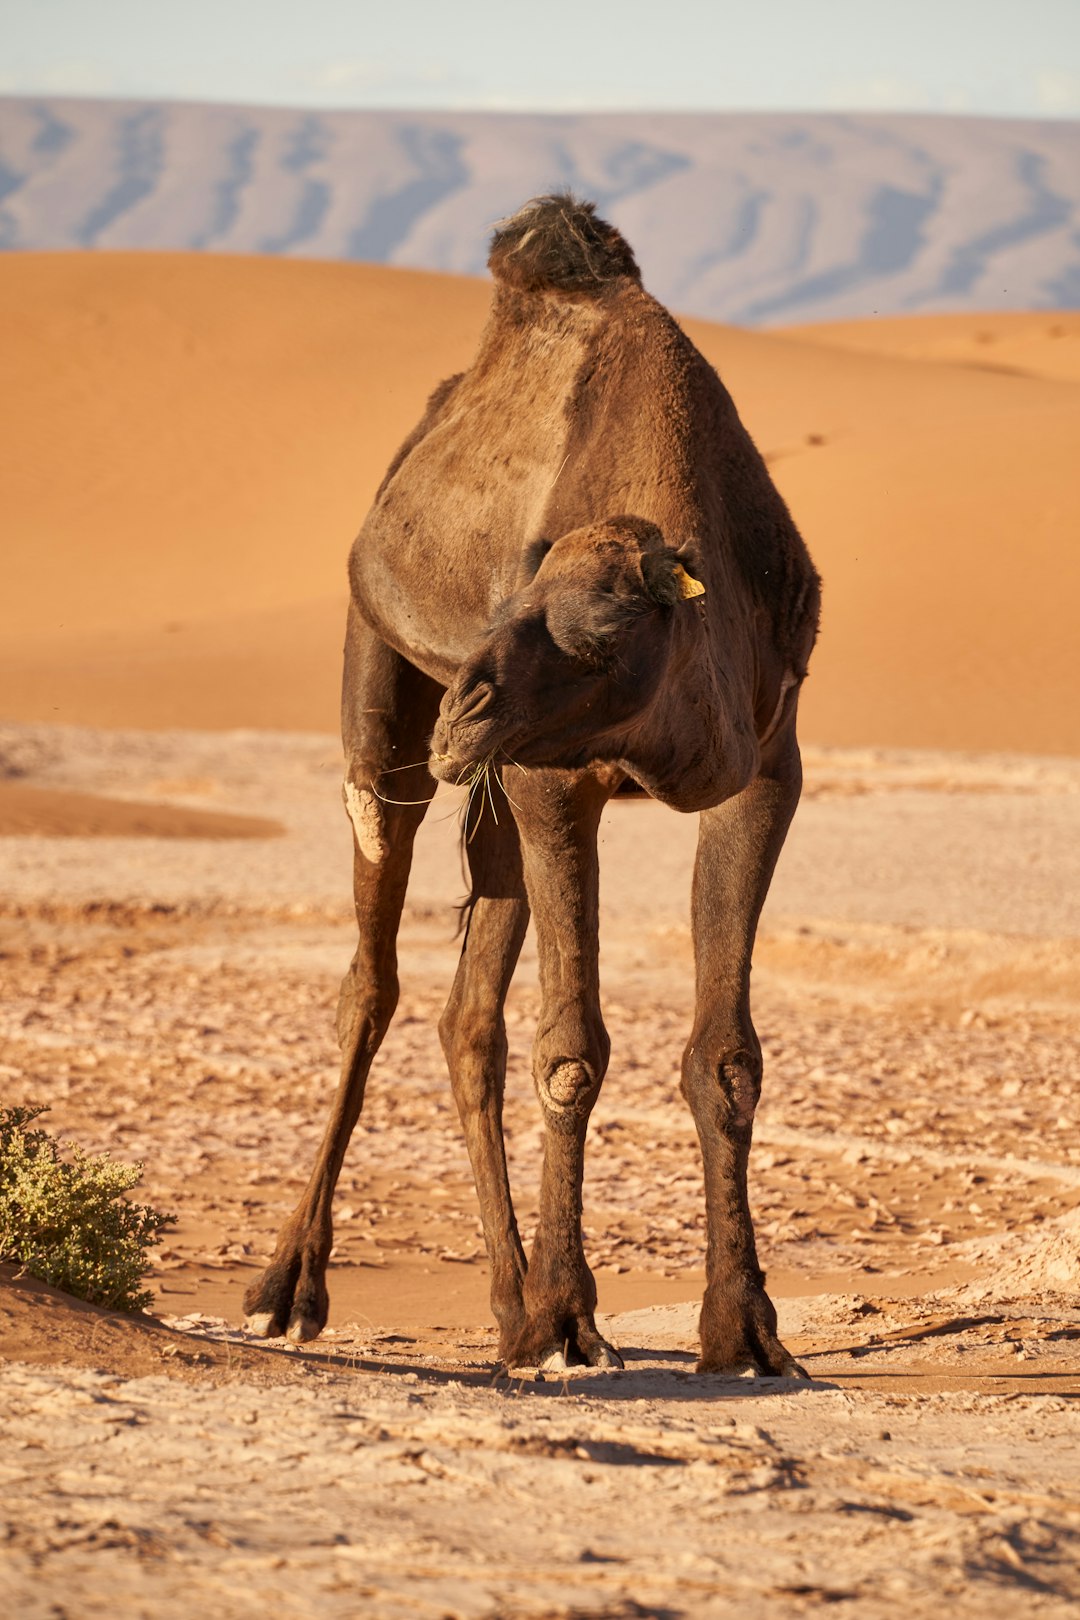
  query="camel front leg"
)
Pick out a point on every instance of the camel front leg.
point(473, 1034)
point(558, 813)
point(388, 709)
point(738, 846)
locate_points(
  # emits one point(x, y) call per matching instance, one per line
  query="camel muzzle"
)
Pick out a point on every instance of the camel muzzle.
point(467, 706)
point(452, 747)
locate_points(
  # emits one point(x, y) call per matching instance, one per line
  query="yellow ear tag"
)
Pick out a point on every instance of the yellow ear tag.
point(688, 585)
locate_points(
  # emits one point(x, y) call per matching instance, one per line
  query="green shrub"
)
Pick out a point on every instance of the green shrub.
point(68, 1222)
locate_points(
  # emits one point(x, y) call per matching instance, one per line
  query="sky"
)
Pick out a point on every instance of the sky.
point(1016, 58)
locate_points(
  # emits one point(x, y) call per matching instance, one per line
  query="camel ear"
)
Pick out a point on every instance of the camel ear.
point(688, 569)
point(531, 558)
point(658, 570)
point(688, 586)
point(667, 580)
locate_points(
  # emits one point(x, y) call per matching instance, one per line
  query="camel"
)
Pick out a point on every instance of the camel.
point(576, 575)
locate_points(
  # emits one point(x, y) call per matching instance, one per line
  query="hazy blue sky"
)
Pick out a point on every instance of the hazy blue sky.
point(1018, 57)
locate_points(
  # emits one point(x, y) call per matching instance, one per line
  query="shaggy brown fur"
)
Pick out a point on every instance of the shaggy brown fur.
point(559, 242)
point(519, 609)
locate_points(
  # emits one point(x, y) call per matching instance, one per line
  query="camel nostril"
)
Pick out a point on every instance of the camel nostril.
point(479, 701)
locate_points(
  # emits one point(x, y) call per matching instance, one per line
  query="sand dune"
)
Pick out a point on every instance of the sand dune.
point(1035, 344)
point(62, 813)
point(191, 442)
point(745, 217)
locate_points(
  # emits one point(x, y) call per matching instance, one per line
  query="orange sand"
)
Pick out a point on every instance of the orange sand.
point(63, 813)
point(1036, 345)
point(190, 443)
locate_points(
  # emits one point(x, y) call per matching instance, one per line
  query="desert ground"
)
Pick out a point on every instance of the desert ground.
point(190, 444)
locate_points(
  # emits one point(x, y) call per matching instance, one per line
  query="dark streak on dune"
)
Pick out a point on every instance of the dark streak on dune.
point(140, 138)
point(435, 156)
point(309, 145)
point(240, 158)
point(1047, 209)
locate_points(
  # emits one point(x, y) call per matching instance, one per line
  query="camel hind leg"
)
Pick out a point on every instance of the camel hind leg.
point(388, 710)
point(473, 1034)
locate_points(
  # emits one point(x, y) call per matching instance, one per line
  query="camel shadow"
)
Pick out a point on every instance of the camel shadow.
point(666, 1375)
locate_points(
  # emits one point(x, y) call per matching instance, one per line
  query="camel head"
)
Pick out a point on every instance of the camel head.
point(573, 659)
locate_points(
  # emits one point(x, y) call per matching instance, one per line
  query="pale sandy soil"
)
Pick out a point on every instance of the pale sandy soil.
point(189, 445)
point(916, 1180)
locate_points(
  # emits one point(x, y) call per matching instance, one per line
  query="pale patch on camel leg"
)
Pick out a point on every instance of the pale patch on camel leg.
point(366, 815)
point(788, 684)
point(260, 1324)
point(301, 1329)
point(606, 1356)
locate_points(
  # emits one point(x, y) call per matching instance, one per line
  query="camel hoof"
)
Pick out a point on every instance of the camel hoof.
point(780, 1366)
point(606, 1356)
point(303, 1328)
point(728, 1366)
point(262, 1325)
point(555, 1362)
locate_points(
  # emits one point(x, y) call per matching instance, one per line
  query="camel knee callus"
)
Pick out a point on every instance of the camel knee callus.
point(578, 574)
point(567, 1092)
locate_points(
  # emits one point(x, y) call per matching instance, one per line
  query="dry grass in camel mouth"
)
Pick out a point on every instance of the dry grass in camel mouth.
point(476, 781)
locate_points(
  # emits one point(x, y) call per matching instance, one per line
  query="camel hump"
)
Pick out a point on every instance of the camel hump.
point(559, 242)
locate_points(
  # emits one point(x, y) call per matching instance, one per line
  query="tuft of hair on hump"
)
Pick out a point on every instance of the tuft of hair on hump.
point(559, 242)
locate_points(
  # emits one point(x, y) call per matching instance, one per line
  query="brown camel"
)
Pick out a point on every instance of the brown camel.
point(510, 623)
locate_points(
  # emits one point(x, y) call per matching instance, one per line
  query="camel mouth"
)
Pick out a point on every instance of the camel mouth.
point(456, 761)
point(452, 768)
point(471, 739)
point(442, 767)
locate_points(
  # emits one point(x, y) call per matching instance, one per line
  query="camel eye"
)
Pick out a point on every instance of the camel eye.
point(606, 621)
point(588, 626)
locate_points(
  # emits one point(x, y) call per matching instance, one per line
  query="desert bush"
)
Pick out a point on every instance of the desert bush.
point(67, 1220)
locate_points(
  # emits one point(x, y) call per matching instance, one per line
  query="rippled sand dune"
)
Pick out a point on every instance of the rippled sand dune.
point(753, 218)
